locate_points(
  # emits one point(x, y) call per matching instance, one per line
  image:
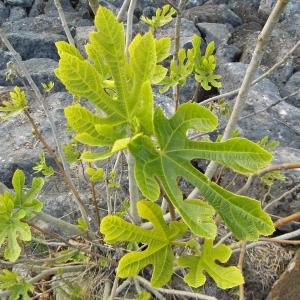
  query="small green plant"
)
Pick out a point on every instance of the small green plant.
point(42, 166)
point(17, 286)
point(159, 152)
point(160, 147)
point(17, 104)
point(14, 210)
point(162, 17)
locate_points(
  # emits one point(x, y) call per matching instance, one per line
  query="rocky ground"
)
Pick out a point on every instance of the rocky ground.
point(33, 26)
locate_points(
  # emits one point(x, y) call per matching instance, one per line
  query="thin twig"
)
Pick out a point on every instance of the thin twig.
point(282, 221)
point(275, 167)
point(148, 287)
point(114, 288)
point(176, 90)
point(176, 292)
point(94, 5)
point(240, 266)
point(129, 24)
point(270, 106)
point(282, 196)
point(123, 10)
point(64, 22)
point(286, 236)
point(292, 242)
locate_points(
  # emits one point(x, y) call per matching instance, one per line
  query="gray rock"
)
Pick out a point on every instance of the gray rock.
point(219, 33)
point(192, 3)
point(45, 24)
point(165, 102)
point(5, 57)
point(246, 10)
point(280, 122)
point(34, 45)
point(291, 203)
point(240, 34)
point(212, 14)
point(41, 70)
point(266, 6)
point(37, 8)
point(283, 38)
point(82, 37)
point(4, 12)
point(19, 148)
point(149, 11)
point(17, 13)
point(22, 3)
point(227, 53)
point(292, 86)
point(51, 10)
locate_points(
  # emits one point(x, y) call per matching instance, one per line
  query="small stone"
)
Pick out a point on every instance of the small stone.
point(32, 45)
point(292, 86)
point(82, 37)
point(51, 10)
point(281, 122)
point(5, 57)
point(192, 3)
point(266, 6)
point(212, 14)
point(22, 3)
point(37, 8)
point(4, 12)
point(17, 13)
point(227, 53)
point(149, 11)
point(219, 33)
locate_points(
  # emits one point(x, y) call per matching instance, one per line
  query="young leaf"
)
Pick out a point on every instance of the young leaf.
point(95, 174)
point(162, 17)
point(17, 286)
point(158, 253)
point(120, 88)
point(243, 215)
point(42, 167)
point(26, 200)
point(13, 209)
point(225, 277)
point(11, 228)
point(204, 66)
point(17, 105)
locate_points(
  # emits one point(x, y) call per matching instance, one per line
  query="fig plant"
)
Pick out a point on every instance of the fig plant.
point(160, 146)
point(123, 118)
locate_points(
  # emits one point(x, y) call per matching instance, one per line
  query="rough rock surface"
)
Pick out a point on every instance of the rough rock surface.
point(219, 33)
point(35, 45)
point(41, 71)
point(279, 123)
point(212, 14)
point(292, 86)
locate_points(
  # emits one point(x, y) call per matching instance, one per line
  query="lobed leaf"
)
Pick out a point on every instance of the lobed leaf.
point(158, 253)
point(225, 277)
point(243, 215)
